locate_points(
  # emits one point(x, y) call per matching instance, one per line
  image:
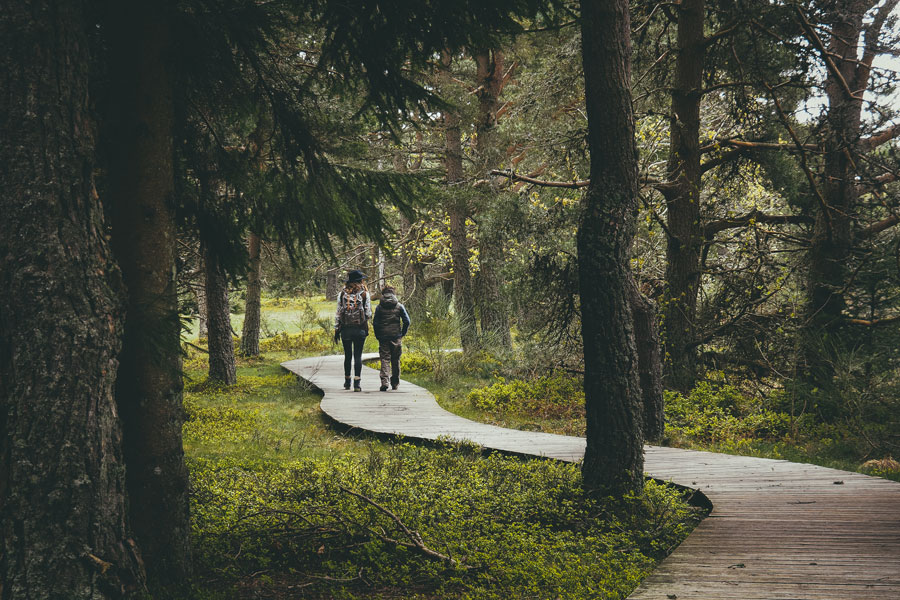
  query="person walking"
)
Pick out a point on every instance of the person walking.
point(391, 323)
point(351, 325)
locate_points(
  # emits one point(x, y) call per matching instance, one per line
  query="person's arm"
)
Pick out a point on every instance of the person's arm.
point(404, 316)
point(367, 306)
point(337, 315)
point(377, 320)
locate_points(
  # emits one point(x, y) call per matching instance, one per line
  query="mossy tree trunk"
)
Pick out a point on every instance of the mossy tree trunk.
point(63, 530)
point(613, 459)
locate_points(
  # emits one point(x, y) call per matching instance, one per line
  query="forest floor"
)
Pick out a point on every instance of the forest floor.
point(284, 506)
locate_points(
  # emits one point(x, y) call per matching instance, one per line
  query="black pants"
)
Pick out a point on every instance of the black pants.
point(353, 340)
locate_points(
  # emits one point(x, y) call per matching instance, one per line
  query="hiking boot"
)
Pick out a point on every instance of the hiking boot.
point(383, 388)
point(346, 383)
point(356, 386)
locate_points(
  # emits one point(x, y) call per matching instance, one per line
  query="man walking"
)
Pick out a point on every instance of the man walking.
point(390, 324)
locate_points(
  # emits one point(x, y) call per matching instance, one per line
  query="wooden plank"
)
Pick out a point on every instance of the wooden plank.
point(778, 530)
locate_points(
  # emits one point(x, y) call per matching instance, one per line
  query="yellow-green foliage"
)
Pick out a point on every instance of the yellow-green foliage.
point(514, 529)
point(555, 397)
point(415, 362)
point(308, 341)
point(714, 414)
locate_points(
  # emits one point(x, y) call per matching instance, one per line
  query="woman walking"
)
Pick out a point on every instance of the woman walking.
point(351, 325)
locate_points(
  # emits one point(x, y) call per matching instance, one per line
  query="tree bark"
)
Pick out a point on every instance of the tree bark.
point(332, 285)
point(646, 338)
point(250, 330)
point(685, 234)
point(491, 242)
point(63, 530)
point(149, 387)
point(221, 344)
point(458, 211)
point(832, 238)
point(613, 459)
point(202, 317)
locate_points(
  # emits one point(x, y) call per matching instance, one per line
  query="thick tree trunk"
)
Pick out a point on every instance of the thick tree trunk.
point(646, 337)
point(63, 504)
point(221, 344)
point(683, 200)
point(491, 239)
point(832, 234)
point(149, 387)
point(613, 458)
point(250, 330)
point(458, 211)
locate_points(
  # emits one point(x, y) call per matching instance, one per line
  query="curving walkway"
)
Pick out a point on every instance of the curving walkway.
point(778, 530)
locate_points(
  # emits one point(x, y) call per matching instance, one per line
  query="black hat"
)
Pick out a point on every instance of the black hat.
point(355, 276)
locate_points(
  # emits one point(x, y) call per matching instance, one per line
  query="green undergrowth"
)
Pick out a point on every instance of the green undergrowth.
point(284, 507)
point(405, 521)
point(714, 416)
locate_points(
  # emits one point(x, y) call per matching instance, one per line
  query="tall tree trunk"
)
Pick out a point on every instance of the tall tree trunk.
point(250, 330)
point(221, 344)
point(149, 387)
point(613, 458)
point(63, 530)
point(682, 195)
point(832, 234)
point(646, 338)
point(491, 238)
point(458, 211)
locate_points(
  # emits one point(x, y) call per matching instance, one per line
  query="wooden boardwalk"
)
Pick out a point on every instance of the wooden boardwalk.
point(778, 530)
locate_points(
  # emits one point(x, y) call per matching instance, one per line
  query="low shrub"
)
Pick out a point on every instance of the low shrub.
point(415, 362)
point(554, 397)
point(306, 341)
point(715, 414)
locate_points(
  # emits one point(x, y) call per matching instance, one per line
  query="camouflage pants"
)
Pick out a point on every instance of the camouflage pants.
point(389, 352)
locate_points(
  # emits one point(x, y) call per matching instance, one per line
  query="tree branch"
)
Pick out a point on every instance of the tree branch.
point(879, 138)
point(714, 227)
point(878, 227)
point(416, 539)
point(816, 41)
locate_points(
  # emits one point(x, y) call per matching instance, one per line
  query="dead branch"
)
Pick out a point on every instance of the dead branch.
point(416, 542)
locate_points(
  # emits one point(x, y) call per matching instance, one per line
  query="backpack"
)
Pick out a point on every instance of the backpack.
point(354, 313)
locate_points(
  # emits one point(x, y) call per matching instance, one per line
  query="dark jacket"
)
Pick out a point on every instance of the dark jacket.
point(391, 319)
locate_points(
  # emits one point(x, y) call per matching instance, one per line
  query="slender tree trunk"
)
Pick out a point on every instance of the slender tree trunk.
point(332, 286)
point(250, 330)
point(613, 458)
point(832, 239)
point(221, 343)
point(458, 211)
point(202, 317)
point(63, 530)
point(149, 387)
point(683, 200)
point(491, 238)
point(646, 337)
